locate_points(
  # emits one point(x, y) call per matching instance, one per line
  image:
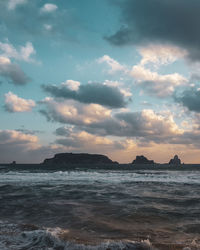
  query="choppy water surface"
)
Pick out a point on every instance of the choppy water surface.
point(100, 210)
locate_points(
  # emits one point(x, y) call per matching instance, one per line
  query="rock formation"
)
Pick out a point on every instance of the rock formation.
point(142, 160)
point(70, 159)
point(175, 161)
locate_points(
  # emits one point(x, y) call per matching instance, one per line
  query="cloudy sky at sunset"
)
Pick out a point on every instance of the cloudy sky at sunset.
point(115, 77)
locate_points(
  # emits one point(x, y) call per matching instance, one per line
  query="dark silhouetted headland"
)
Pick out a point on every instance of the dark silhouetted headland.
point(70, 158)
point(84, 161)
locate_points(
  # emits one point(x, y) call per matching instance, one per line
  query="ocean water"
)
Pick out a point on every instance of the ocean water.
point(146, 209)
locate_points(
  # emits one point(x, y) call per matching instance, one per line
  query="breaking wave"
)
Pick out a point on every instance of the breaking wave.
point(22, 237)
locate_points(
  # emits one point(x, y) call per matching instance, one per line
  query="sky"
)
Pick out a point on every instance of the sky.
point(114, 77)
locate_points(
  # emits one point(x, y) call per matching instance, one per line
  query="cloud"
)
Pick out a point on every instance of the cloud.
point(39, 24)
point(12, 71)
point(145, 125)
point(150, 124)
point(73, 112)
point(169, 22)
point(29, 132)
point(24, 53)
point(49, 7)
point(113, 64)
point(83, 141)
point(72, 85)
point(156, 84)
point(160, 54)
point(190, 98)
point(16, 137)
point(63, 131)
point(122, 87)
point(94, 119)
point(89, 93)
point(14, 144)
point(24, 147)
point(13, 103)
point(152, 82)
point(12, 4)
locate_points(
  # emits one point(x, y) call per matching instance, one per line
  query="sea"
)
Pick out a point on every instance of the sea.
point(99, 209)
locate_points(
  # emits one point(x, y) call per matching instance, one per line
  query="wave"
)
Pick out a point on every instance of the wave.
point(94, 177)
point(31, 237)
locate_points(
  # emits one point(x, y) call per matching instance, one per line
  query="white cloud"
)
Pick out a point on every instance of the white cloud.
point(27, 51)
point(161, 54)
point(17, 146)
point(73, 112)
point(71, 84)
point(14, 145)
point(4, 60)
point(113, 64)
point(24, 53)
point(163, 122)
point(12, 4)
point(48, 7)
point(82, 138)
point(160, 85)
point(13, 103)
point(13, 136)
point(123, 89)
point(155, 84)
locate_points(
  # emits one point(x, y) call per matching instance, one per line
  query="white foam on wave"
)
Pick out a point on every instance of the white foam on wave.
point(12, 238)
point(95, 177)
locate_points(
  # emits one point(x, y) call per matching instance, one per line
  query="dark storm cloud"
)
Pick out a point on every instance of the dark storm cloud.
point(62, 131)
point(190, 98)
point(90, 93)
point(161, 21)
point(13, 73)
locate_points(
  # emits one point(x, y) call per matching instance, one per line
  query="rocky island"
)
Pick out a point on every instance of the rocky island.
point(142, 160)
point(71, 159)
point(175, 161)
point(86, 161)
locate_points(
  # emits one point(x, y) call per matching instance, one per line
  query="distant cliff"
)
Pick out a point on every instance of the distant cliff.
point(70, 158)
point(142, 160)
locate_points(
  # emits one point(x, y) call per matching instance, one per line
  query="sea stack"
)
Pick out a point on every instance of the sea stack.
point(175, 161)
point(142, 160)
